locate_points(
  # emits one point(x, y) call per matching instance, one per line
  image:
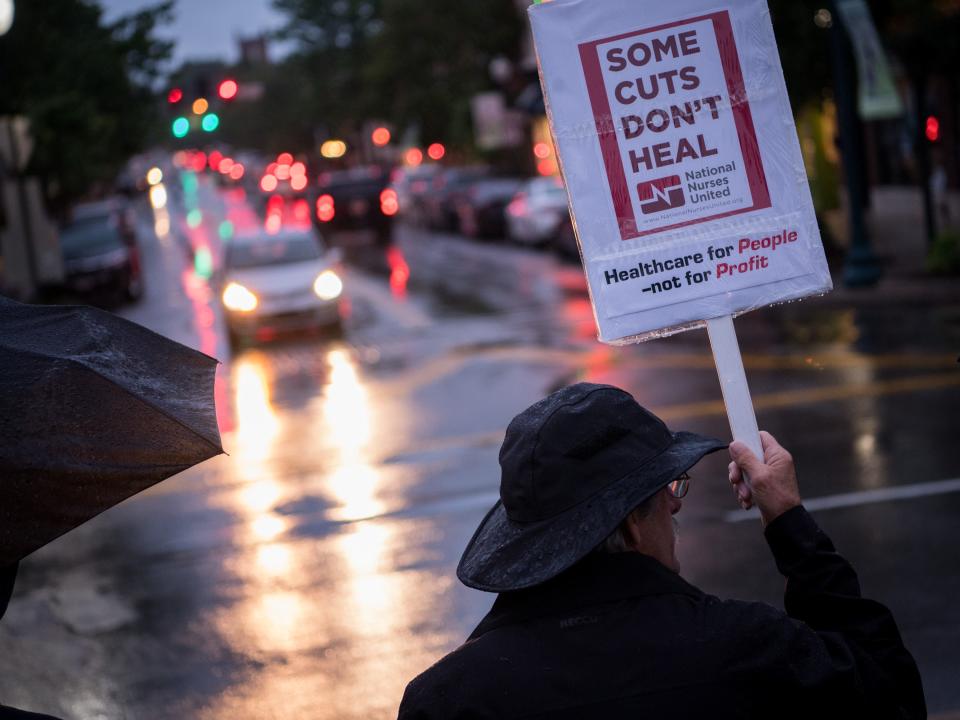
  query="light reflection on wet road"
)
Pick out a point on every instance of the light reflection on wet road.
point(309, 573)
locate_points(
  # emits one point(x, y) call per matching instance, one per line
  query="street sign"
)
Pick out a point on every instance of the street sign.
point(681, 159)
point(495, 125)
point(878, 98)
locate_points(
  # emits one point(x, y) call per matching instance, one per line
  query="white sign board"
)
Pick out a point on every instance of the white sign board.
point(681, 159)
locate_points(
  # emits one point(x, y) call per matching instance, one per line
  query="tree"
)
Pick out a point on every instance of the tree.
point(335, 40)
point(85, 86)
point(432, 58)
point(405, 61)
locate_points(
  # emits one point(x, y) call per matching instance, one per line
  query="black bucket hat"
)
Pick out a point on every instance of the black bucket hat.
point(573, 466)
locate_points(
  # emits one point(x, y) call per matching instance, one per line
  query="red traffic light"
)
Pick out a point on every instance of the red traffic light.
point(228, 89)
point(933, 128)
point(174, 96)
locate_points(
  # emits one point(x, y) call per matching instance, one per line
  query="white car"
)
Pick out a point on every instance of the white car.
point(537, 213)
point(280, 282)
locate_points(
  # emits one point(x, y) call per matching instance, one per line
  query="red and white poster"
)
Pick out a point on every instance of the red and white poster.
point(682, 148)
point(678, 147)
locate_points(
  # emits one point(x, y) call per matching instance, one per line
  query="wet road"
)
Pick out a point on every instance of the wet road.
point(309, 573)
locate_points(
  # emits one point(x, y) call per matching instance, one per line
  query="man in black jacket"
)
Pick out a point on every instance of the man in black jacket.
point(592, 618)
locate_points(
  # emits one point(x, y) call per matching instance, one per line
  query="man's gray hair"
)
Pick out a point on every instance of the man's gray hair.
point(616, 541)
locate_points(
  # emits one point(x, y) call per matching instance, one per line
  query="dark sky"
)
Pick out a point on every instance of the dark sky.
point(207, 29)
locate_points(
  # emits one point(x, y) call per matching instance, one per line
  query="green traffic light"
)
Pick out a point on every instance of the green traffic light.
point(180, 127)
point(210, 122)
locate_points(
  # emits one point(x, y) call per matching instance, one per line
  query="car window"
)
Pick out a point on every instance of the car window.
point(273, 251)
point(89, 237)
point(547, 187)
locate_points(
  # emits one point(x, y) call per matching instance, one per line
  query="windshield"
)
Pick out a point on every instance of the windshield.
point(88, 238)
point(273, 251)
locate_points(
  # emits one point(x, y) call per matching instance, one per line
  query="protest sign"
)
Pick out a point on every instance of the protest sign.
point(681, 159)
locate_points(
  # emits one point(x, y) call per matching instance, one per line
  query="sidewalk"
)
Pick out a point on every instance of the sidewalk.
point(896, 226)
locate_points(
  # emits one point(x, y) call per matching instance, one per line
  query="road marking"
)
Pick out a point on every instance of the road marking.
point(704, 361)
point(485, 499)
point(808, 396)
point(769, 401)
point(863, 497)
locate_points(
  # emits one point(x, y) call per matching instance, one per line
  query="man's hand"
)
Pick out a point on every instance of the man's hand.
point(773, 481)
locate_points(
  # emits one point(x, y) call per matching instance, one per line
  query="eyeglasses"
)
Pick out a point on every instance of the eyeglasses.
point(678, 488)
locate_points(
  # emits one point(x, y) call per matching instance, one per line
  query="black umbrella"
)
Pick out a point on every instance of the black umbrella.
point(93, 409)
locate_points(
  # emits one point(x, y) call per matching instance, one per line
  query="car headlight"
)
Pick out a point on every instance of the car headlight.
point(237, 297)
point(328, 285)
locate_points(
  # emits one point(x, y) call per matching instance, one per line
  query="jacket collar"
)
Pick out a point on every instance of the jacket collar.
point(595, 580)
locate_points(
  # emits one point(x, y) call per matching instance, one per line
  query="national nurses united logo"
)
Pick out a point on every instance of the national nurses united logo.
point(662, 194)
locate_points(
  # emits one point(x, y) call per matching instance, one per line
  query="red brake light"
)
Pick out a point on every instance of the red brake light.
point(326, 209)
point(268, 183)
point(389, 205)
point(518, 206)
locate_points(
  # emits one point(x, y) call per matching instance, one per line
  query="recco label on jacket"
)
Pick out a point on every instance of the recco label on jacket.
point(681, 160)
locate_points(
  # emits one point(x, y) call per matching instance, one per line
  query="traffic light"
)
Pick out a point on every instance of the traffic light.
point(436, 151)
point(180, 127)
point(227, 90)
point(174, 96)
point(210, 122)
point(933, 129)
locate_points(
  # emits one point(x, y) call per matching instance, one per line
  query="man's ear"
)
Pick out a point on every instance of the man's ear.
point(636, 525)
point(633, 528)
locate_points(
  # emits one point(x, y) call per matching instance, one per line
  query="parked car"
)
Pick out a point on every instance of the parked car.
point(100, 254)
point(565, 241)
point(480, 210)
point(355, 207)
point(279, 282)
point(536, 214)
point(445, 191)
point(412, 184)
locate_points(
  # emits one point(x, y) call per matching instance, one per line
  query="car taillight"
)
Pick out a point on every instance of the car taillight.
point(518, 206)
point(326, 209)
point(389, 205)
